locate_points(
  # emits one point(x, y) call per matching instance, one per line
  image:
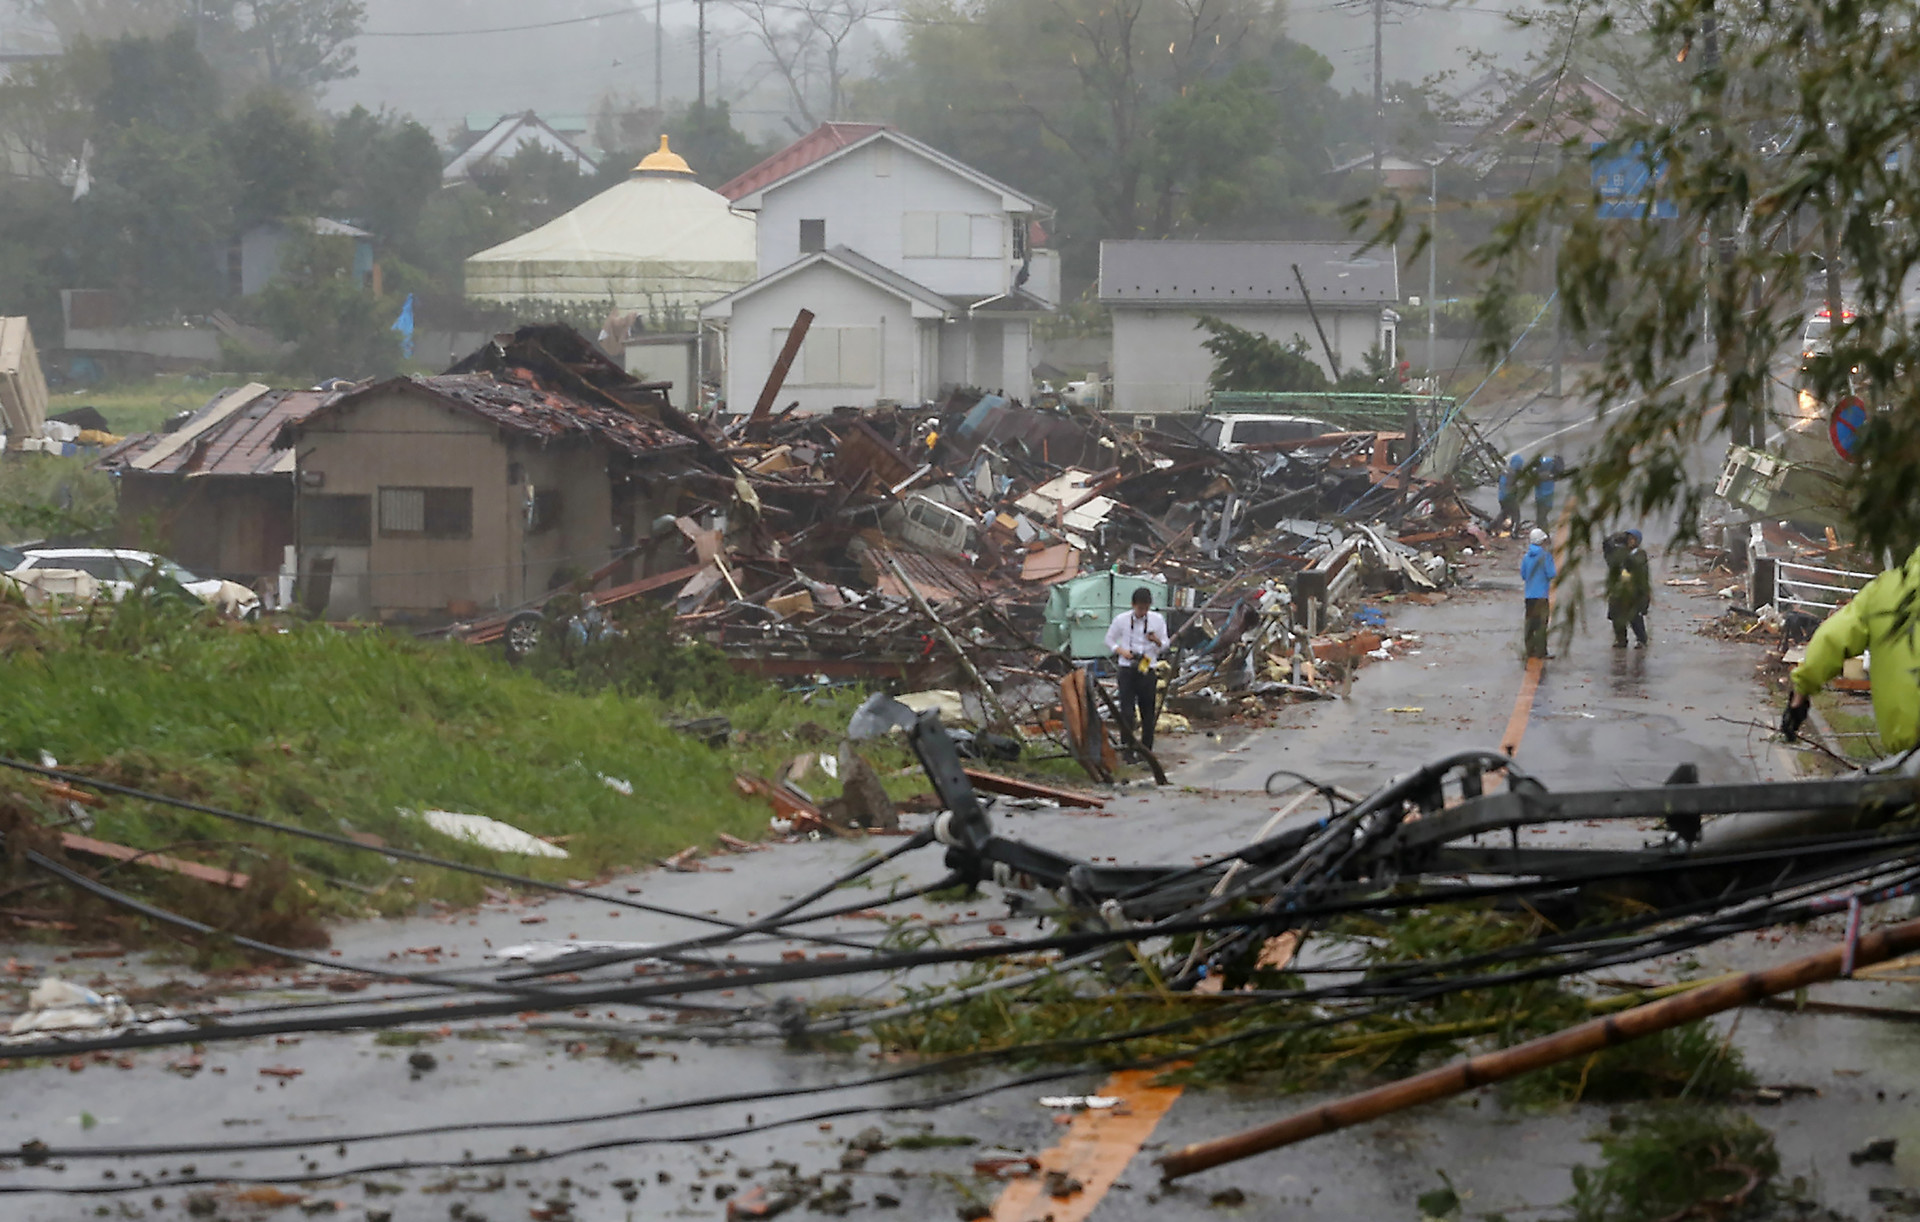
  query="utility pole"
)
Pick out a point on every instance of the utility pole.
point(700, 7)
point(1740, 423)
point(1433, 277)
point(659, 64)
point(1379, 85)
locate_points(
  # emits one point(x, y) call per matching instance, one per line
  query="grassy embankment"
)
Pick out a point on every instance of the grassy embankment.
point(340, 731)
point(143, 405)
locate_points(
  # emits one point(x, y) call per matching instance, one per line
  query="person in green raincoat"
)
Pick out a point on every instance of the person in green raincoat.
point(1883, 619)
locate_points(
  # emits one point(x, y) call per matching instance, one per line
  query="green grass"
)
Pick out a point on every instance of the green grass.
point(143, 406)
point(1674, 1162)
point(48, 494)
point(338, 731)
point(1850, 717)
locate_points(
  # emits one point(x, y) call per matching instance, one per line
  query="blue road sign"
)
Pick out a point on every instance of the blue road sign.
point(1849, 420)
point(1625, 183)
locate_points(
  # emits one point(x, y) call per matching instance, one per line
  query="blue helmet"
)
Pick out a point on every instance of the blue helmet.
point(1516, 462)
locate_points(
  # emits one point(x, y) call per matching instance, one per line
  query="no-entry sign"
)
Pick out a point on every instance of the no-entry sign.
point(1844, 427)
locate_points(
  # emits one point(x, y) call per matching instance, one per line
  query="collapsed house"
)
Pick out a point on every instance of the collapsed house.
point(216, 494)
point(529, 464)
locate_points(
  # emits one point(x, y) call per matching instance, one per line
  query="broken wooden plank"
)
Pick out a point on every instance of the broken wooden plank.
point(803, 815)
point(61, 789)
point(75, 843)
point(1014, 787)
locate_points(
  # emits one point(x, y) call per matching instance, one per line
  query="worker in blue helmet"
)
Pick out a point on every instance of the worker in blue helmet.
point(1510, 494)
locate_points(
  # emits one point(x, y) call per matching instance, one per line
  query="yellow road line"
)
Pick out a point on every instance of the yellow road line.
point(1097, 1147)
point(1523, 706)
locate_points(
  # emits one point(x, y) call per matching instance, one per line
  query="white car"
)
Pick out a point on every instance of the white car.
point(1238, 432)
point(118, 570)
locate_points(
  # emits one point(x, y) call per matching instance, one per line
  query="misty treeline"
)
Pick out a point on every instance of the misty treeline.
point(169, 128)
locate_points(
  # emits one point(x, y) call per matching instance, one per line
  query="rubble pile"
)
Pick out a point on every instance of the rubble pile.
point(981, 539)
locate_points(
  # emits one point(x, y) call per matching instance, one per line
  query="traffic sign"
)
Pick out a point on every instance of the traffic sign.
point(1844, 427)
point(1628, 186)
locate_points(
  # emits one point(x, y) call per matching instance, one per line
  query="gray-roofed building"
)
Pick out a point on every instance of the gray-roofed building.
point(1157, 290)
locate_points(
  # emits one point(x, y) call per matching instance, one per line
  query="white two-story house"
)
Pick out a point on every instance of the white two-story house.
point(921, 273)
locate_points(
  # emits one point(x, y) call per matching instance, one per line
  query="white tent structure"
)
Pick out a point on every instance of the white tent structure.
point(658, 241)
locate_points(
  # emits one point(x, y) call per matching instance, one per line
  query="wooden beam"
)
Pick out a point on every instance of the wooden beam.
point(1014, 787)
point(75, 843)
point(777, 376)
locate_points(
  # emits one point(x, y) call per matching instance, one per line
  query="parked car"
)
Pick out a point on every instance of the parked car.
point(118, 570)
point(1237, 432)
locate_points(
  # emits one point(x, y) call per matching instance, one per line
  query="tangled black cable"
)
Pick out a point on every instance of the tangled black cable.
point(36, 1153)
point(637, 991)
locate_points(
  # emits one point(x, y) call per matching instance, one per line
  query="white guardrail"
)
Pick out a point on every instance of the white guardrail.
point(1812, 589)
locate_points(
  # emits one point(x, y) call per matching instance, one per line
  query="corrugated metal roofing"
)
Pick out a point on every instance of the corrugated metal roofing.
point(824, 139)
point(1243, 273)
point(238, 442)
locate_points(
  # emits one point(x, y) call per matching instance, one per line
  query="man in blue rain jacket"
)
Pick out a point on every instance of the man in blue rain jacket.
point(1537, 573)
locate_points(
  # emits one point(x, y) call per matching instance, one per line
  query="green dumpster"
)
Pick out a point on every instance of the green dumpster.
point(1080, 610)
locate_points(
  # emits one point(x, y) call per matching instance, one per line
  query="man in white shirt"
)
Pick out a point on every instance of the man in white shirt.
point(1136, 640)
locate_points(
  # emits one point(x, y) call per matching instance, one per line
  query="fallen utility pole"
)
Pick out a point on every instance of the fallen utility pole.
point(1332, 361)
point(987, 694)
point(1582, 1040)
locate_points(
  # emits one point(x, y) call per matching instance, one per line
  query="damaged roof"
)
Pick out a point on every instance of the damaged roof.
point(516, 400)
point(236, 434)
point(1246, 273)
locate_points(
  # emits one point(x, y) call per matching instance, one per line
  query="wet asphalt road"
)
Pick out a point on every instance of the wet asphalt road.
point(1600, 718)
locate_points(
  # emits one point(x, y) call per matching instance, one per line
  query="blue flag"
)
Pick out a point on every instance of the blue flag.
point(404, 325)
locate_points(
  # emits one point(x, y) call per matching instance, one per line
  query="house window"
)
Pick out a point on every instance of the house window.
point(1020, 224)
point(950, 235)
point(835, 356)
point(813, 236)
point(336, 521)
point(426, 513)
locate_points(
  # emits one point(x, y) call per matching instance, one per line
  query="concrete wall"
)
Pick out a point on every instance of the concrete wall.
point(1159, 365)
point(837, 299)
point(403, 440)
point(864, 198)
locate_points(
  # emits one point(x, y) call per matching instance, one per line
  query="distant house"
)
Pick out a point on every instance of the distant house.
point(253, 259)
point(1396, 173)
point(1533, 122)
point(1157, 290)
point(496, 146)
point(215, 494)
point(921, 272)
point(535, 460)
